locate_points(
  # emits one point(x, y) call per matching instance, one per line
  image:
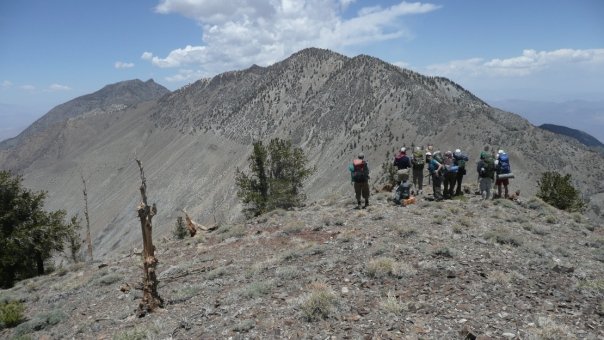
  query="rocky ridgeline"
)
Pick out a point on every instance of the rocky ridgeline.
point(192, 140)
point(458, 269)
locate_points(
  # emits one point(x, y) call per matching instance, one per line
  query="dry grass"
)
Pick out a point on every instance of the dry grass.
point(380, 267)
point(499, 277)
point(503, 236)
point(548, 329)
point(319, 303)
point(393, 305)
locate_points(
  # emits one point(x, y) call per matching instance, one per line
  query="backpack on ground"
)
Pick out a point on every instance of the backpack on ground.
point(488, 167)
point(503, 166)
point(419, 158)
point(359, 170)
point(405, 190)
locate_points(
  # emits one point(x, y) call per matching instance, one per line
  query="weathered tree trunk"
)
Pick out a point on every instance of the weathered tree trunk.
point(88, 238)
point(151, 299)
point(39, 263)
point(191, 226)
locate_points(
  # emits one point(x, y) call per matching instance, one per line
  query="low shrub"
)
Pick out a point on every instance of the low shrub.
point(40, 322)
point(393, 305)
point(11, 314)
point(319, 304)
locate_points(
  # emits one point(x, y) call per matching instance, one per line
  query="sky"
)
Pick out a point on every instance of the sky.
point(538, 50)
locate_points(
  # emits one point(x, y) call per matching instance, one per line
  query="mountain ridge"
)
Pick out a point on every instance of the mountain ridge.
point(192, 140)
point(583, 137)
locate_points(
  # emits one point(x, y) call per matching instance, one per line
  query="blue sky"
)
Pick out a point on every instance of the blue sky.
point(54, 51)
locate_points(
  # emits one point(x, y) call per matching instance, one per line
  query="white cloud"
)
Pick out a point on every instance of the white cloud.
point(345, 3)
point(121, 64)
point(528, 63)
point(6, 83)
point(58, 87)
point(239, 33)
point(27, 87)
point(186, 75)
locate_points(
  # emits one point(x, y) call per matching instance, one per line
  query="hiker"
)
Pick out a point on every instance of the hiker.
point(435, 169)
point(450, 174)
point(486, 172)
point(359, 175)
point(460, 161)
point(502, 167)
point(401, 160)
point(430, 149)
point(417, 163)
point(403, 192)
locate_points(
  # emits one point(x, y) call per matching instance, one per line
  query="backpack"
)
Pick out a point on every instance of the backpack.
point(438, 157)
point(488, 168)
point(418, 158)
point(405, 190)
point(402, 175)
point(460, 160)
point(358, 173)
point(432, 167)
point(503, 167)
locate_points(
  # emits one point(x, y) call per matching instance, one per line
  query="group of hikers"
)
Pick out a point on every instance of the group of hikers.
point(446, 173)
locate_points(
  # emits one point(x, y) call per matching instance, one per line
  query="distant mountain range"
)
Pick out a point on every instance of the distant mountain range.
point(583, 115)
point(581, 136)
point(191, 140)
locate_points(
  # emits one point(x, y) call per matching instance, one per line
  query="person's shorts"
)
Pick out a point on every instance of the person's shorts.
point(504, 181)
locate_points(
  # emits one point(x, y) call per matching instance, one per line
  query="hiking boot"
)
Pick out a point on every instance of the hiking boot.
point(366, 204)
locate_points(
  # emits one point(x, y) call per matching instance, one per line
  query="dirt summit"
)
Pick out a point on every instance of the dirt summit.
point(457, 269)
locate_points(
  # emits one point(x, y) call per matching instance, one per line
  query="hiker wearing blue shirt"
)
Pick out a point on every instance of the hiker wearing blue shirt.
point(502, 167)
point(435, 169)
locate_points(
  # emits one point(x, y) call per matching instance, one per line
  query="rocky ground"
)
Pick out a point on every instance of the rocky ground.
point(458, 269)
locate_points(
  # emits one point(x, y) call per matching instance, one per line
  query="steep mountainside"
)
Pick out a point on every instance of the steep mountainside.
point(192, 140)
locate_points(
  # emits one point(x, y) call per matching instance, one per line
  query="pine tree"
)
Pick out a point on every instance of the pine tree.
point(558, 191)
point(29, 235)
point(277, 176)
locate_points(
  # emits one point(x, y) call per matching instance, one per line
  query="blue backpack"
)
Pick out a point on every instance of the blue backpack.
point(504, 164)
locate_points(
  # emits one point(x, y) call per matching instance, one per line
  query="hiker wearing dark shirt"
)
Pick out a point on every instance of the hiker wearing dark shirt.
point(359, 175)
point(401, 160)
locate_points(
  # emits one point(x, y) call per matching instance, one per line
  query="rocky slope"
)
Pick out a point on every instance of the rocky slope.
point(460, 269)
point(192, 140)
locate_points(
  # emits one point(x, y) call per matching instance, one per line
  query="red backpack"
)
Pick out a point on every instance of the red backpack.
point(358, 174)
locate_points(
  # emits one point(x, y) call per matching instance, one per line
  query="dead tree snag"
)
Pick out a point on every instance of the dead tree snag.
point(151, 299)
point(191, 225)
point(88, 238)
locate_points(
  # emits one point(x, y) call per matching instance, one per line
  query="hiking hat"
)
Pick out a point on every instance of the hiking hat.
point(403, 149)
point(361, 155)
point(428, 153)
point(457, 151)
point(500, 152)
